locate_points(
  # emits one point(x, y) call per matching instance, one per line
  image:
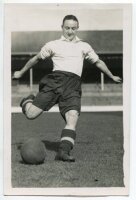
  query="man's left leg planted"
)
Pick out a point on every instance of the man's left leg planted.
point(68, 137)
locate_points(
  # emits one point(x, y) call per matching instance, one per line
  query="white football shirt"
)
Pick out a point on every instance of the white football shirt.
point(68, 55)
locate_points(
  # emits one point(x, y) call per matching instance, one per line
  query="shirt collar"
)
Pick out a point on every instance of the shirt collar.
point(76, 39)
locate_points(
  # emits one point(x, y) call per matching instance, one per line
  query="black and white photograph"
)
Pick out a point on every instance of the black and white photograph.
point(67, 99)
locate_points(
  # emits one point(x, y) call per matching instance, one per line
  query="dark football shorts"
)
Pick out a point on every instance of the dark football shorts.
point(62, 88)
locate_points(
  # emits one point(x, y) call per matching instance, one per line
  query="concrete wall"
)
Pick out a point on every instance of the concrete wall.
point(101, 41)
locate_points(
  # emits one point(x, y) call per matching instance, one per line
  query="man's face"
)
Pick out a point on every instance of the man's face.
point(69, 29)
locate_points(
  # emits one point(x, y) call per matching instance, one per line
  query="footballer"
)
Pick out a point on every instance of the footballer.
point(63, 85)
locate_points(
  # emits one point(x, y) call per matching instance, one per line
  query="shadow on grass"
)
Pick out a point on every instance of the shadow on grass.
point(52, 146)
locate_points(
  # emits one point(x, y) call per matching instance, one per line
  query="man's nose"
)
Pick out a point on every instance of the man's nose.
point(70, 31)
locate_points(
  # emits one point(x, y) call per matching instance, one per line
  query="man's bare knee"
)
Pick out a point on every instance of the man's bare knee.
point(31, 115)
point(71, 119)
point(72, 114)
point(33, 112)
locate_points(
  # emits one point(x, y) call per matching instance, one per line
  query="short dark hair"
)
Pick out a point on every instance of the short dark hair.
point(69, 17)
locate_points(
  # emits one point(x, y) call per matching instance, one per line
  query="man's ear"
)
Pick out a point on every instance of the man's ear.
point(62, 26)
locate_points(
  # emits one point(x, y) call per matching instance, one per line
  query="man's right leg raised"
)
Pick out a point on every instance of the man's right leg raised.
point(31, 111)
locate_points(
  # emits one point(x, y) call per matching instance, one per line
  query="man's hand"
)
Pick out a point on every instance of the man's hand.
point(33, 61)
point(17, 75)
point(117, 79)
point(103, 67)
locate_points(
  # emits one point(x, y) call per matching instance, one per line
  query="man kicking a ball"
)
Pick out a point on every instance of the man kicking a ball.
point(63, 85)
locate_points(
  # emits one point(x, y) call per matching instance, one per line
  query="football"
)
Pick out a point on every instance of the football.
point(33, 151)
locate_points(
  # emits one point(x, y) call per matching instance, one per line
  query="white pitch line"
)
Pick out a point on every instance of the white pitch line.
point(83, 109)
point(101, 108)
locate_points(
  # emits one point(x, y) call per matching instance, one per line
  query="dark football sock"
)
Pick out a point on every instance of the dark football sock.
point(67, 140)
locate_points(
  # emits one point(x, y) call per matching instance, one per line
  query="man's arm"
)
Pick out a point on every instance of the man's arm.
point(102, 66)
point(33, 61)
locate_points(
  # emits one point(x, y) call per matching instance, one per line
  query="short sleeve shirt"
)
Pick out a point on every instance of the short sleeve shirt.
point(68, 55)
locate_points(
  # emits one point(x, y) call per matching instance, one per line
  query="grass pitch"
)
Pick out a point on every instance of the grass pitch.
point(98, 151)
